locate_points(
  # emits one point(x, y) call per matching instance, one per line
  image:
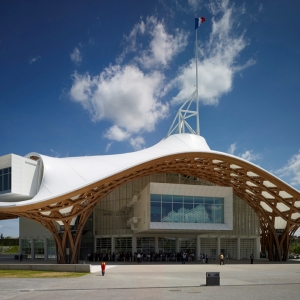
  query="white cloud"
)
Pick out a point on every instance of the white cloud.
point(247, 155)
point(128, 94)
point(108, 146)
point(232, 148)
point(217, 64)
point(162, 47)
point(137, 142)
point(194, 4)
point(76, 56)
point(116, 133)
point(55, 153)
point(34, 59)
point(130, 40)
point(291, 170)
point(123, 95)
point(250, 156)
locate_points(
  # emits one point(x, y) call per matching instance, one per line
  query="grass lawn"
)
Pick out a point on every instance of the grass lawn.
point(37, 274)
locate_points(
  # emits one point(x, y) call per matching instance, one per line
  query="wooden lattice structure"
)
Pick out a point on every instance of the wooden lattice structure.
point(276, 203)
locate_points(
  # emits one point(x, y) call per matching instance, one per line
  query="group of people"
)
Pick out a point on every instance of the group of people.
point(204, 258)
point(143, 257)
point(153, 257)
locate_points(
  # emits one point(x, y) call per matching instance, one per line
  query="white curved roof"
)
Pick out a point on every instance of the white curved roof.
point(65, 175)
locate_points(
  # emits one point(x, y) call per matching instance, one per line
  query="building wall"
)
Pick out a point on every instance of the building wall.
point(112, 212)
point(36, 242)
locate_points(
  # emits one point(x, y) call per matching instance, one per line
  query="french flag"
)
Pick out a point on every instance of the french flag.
point(198, 22)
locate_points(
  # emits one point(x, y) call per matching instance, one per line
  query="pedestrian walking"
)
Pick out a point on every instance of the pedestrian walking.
point(183, 258)
point(251, 258)
point(221, 259)
point(103, 267)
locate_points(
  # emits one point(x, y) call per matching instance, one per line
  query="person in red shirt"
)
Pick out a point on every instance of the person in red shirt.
point(103, 266)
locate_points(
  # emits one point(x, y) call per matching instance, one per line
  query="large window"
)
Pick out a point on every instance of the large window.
point(38, 248)
point(166, 245)
point(123, 244)
point(26, 248)
point(5, 179)
point(145, 244)
point(188, 245)
point(186, 209)
point(103, 245)
point(51, 249)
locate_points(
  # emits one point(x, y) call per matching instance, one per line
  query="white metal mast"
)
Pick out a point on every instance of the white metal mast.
point(180, 124)
point(197, 96)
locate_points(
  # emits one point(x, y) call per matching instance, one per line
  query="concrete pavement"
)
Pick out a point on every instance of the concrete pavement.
point(238, 280)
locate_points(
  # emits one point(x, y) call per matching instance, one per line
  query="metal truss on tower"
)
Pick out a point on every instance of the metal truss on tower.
point(180, 123)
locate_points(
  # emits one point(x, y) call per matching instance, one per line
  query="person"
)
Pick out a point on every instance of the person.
point(206, 259)
point(252, 258)
point(183, 258)
point(103, 267)
point(139, 257)
point(221, 259)
point(21, 257)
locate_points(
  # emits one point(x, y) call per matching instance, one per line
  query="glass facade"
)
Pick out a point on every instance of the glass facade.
point(123, 244)
point(209, 246)
point(145, 244)
point(229, 248)
point(51, 249)
point(38, 248)
point(166, 245)
point(103, 245)
point(188, 245)
point(26, 247)
point(5, 180)
point(186, 209)
point(247, 248)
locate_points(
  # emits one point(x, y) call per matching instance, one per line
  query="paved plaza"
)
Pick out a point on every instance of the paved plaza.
point(238, 280)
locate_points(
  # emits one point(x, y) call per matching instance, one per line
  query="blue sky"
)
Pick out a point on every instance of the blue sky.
point(104, 77)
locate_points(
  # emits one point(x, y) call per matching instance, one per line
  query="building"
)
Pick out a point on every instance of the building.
point(178, 195)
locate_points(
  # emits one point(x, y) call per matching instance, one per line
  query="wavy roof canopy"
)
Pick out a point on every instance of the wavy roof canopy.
point(73, 186)
point(89, 178)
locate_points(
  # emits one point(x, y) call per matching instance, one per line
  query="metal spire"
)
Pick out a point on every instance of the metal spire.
point(180, 123)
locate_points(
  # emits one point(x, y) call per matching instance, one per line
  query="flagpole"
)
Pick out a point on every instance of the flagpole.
point(197, 97)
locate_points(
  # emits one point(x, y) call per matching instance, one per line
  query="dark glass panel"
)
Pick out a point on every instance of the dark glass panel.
point(178, 199)
point(209, 200)
point(166, 198)
point(188, 199)
point(5, 182)
point(155, 197)
point(166, 215)
point(219, 213)
point(198, 200)
point(219, 200)
point(177, 206)
point(155, 212)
